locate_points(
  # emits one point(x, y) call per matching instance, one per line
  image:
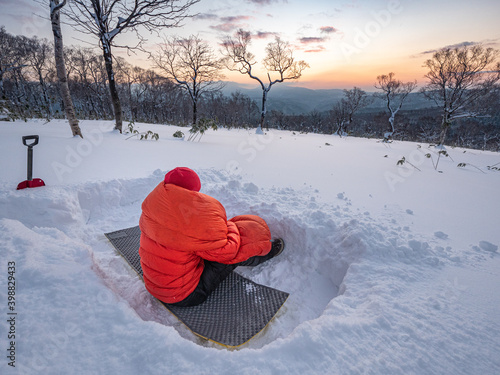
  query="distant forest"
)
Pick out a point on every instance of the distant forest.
point(29, 89)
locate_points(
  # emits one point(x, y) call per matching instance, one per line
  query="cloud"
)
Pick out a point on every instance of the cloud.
point(230, 23)
point(315, 50)
point(264, 34)
point(328, 29)
point(312, 39)
point(235, 18)
point(312, 44)
point(205, 16)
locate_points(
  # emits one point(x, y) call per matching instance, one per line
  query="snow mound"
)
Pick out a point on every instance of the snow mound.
point(488, 246)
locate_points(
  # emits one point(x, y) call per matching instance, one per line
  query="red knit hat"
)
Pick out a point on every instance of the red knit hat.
point(183, 177)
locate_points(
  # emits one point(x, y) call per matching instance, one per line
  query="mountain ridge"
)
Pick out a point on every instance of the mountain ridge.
point(295, 100)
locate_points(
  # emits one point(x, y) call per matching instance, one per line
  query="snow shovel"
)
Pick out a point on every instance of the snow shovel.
point(30, 182)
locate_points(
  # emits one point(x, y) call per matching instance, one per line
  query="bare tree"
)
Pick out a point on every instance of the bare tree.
point(62, 76)
point(131, 76)
point(394, 93)
point(89, 78)
point(10, 57)
point(107, 19)
point(13, 59)
point(236, 110)
point(344, 110)
point(38, 53)
point(192, 64)
point(279, 61)
point(457, 79)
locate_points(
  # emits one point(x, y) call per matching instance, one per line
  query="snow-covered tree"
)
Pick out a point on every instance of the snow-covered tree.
point(279, 63)
point(458, 78)
point(62, 76)
point(106, 19)
point(343, 111)
point(394, 92)
point(192, 65)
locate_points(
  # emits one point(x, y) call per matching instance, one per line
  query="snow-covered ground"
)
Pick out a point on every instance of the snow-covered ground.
point(390, 269)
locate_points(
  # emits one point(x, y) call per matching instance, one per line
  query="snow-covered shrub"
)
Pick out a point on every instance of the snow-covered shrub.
point(144, 135)
point(178, 134)
point(5, 114)
point(201, 127)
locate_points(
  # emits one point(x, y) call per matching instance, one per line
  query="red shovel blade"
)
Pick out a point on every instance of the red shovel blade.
point(36, 182)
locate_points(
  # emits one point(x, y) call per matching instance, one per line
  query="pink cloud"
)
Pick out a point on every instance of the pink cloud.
point(315, 50)
point(264, 34)
point(312, 39)
point(328, 29)
point(230, 23)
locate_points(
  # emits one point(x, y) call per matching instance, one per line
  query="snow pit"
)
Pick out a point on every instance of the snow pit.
point(312, 268)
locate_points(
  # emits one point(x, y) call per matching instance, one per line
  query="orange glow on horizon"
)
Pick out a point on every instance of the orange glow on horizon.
point(344, 77)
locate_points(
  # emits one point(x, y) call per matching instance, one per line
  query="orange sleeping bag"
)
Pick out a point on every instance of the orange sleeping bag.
point(180, 228)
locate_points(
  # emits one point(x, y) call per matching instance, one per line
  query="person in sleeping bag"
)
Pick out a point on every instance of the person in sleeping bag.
point(188, 247)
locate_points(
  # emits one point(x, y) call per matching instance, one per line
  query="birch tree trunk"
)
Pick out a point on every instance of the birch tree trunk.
point(195, 111)
point(115, 99)
point(2, 90)
point(263, 112)
point(445, 125)
point(55, 7)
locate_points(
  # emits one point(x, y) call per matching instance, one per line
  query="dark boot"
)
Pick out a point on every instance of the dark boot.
point(278, 247)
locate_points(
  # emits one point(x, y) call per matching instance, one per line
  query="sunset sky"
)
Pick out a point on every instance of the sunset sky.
point(346, 43)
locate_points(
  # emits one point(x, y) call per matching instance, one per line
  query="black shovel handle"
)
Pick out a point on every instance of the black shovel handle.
point(28, 138)
point(30, 152)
